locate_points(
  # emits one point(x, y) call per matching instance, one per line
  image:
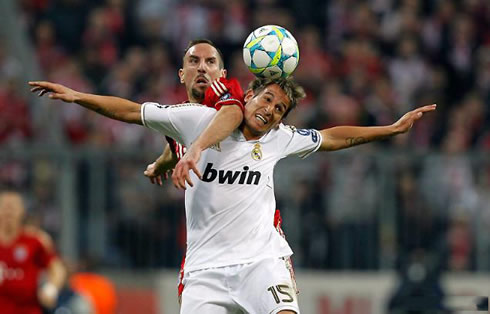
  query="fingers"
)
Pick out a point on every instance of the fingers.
point(40, 90)
point(419, 112)
point(156, 180)
point(426, 108)
point(196, 171)
point(36, 89)
point(178, 178)
point(42, 84)
point(149, 176)
point(187, 178)
point(181, 174)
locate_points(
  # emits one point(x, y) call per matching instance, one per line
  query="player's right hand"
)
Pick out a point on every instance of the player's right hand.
point(152, 173)
point(188, 162)
point(57, 91)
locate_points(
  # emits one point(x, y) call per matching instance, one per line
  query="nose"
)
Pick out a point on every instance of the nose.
point(268, 110)
point(202, 67)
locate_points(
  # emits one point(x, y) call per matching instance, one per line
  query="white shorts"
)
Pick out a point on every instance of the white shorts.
point(262, 287)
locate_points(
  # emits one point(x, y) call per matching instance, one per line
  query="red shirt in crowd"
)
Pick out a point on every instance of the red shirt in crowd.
point(21, 263)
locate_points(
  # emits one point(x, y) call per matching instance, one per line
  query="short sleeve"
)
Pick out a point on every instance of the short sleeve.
point(183, 122)
point(301, 142)
point(44, 255)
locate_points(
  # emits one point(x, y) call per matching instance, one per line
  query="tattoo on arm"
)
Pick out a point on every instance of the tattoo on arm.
point(353, 141)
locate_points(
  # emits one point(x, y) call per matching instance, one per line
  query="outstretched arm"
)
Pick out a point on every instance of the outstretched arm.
point(347, 136)
point(225, 121)
point(109, 106)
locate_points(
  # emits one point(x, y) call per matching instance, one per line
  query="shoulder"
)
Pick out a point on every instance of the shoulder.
point(183, 106)
point(40, 236)
point(287, 129)
point(155, 111)
point(292, 130)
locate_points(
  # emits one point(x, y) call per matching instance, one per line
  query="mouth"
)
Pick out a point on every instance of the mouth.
point(202, 81)
point(261, 118)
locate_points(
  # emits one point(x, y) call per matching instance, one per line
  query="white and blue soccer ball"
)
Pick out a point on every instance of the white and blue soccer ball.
point(271, 51)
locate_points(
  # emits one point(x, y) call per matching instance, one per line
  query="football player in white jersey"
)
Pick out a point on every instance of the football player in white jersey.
point(235, 257)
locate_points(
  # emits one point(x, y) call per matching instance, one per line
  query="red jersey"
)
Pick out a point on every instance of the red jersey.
point(21, 262)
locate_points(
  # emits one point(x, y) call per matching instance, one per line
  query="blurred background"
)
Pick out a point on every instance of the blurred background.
point(370, 226)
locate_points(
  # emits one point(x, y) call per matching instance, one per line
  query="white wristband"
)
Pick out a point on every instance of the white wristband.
point(50, 290)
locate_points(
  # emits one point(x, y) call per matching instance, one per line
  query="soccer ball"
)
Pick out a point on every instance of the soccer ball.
point(271, 51)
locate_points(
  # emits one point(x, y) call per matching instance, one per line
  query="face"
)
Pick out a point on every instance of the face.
point(11, 210)
point(201, 67)
point(264, 111)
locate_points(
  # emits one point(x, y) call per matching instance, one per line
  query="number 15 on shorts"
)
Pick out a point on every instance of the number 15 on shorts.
point(281, 293)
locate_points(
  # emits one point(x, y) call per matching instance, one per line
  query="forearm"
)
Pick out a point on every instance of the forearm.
point(347, 136)
point(166, 161)
point(56, 273)
point(225, 122)
point(112, 107)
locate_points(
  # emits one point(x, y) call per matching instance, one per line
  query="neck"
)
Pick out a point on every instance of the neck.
point(194, 99)
point(248, 134)
point(8, 234)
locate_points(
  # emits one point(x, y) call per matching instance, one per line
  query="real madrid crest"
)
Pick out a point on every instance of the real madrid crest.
point(256, 152)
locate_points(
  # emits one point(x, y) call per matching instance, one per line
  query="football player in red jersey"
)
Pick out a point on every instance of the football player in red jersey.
point(26, 253)
point(202, 64)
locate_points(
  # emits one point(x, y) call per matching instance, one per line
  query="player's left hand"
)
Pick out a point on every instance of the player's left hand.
point(154, 175)
point(188, 162)
point(405, 123)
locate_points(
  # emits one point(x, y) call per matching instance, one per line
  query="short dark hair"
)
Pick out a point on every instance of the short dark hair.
point(192, 43)
point(293, 90)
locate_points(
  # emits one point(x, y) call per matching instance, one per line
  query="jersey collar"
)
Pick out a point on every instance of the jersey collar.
point(238, 135)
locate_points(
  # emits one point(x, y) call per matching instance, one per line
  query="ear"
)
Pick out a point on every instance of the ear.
point(224, 73)
point(181, 76)
point(248, 96)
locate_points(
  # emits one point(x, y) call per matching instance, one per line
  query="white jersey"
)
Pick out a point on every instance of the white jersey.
point(230, 212)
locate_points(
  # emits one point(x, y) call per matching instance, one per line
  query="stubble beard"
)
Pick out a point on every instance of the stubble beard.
point(197, 94)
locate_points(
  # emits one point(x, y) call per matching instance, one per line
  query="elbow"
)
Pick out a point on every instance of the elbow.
point(235, 114)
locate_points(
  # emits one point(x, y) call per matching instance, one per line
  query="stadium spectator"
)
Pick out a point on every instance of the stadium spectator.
point(15, 120)
point(26, 254)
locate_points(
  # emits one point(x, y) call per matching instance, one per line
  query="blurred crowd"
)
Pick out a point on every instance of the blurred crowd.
point(362, 62)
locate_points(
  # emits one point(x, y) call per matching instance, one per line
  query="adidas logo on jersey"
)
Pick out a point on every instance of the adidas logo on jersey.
point(230, 177)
